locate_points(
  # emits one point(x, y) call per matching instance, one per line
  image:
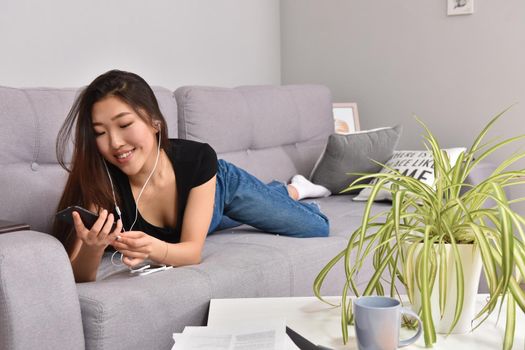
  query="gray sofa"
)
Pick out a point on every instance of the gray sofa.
point(273, 132)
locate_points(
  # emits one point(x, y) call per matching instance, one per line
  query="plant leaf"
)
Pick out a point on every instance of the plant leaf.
point(442, 279)
point(344, 314)
point(507, 237)
point(460, 284)
point(426, 312)
point(318, 282)
point(510, 326)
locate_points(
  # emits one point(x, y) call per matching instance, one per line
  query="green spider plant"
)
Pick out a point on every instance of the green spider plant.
point(450, 212)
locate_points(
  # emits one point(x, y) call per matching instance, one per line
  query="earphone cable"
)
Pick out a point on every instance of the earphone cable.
point(117, 209)
point(143, 187)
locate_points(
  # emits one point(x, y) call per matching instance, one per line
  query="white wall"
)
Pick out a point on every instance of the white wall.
point(168, 42)
point(397, 58)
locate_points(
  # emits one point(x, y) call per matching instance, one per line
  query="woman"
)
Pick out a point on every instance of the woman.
point(166, 195)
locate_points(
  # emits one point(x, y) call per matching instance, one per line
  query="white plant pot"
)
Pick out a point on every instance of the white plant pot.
point(471, 263)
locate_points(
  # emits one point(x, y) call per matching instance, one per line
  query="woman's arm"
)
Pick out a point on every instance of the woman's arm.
point(137, 246)
point(195, 225)
point(85, 262)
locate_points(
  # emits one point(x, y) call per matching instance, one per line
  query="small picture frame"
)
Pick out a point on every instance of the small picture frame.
point(346, 118)
point(460, 7)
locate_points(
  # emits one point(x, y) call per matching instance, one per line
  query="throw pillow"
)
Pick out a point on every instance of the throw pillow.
point(353, 153)
point(417, 164)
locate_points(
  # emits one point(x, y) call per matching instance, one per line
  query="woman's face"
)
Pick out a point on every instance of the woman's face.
point(123, 137)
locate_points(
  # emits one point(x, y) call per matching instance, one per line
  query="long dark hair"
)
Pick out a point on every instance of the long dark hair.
point(88, 182)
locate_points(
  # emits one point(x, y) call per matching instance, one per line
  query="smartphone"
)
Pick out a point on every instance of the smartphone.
point(88, 217)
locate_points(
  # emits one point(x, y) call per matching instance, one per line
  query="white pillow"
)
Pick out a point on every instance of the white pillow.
point(417, 164)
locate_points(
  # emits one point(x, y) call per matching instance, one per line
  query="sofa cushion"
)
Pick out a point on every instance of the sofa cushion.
point(274, 132)
point(346, 155)
point(238, 262)
point(32, 181)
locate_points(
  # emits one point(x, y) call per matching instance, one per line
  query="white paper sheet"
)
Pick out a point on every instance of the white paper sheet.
point(256, 335)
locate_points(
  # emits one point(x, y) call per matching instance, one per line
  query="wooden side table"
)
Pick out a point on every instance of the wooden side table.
point(10, 226)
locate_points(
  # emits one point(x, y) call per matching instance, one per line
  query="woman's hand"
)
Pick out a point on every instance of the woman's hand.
point(100, 235)
point(137, 246)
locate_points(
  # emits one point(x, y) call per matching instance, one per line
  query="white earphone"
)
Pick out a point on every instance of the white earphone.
point(117, 209)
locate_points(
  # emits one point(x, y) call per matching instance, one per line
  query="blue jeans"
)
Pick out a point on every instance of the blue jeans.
point(241, 198)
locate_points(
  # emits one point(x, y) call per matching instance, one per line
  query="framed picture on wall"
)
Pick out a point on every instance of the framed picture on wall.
point(460, 7)
point(346, 118)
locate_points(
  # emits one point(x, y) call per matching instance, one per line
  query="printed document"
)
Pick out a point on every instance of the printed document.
point(253, 335)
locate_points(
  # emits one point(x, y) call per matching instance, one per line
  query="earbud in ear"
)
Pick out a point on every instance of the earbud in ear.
point(157, 125)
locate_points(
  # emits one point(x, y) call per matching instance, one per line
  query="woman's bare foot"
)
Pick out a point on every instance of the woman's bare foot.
point(292, 192)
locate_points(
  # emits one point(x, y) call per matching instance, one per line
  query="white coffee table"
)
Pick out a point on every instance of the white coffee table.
point(320, 323)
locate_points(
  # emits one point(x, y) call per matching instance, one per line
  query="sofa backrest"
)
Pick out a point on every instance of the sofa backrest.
point(31, 181)
point(273, 132)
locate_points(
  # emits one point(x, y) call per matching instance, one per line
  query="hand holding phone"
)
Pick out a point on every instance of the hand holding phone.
point(88, 217)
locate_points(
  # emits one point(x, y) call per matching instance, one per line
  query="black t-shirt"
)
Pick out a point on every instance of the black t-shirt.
point(194, 163)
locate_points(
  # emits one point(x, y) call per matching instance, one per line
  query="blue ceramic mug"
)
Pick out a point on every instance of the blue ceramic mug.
point(377, 321)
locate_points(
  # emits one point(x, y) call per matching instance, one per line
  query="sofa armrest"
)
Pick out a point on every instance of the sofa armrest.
point(39, 307)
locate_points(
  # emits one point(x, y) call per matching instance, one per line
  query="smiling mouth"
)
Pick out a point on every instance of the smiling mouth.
point(124, 156)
